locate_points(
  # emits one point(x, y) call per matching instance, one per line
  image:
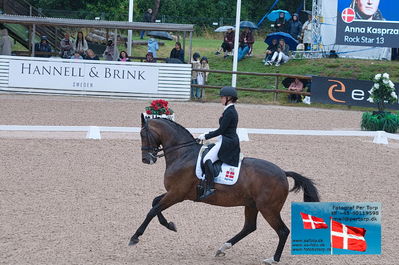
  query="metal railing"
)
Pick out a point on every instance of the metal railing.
point(276, 89)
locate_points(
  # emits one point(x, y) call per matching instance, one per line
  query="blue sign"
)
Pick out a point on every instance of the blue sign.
point(350, 228)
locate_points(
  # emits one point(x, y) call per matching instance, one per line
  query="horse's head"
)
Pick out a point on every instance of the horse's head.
point(150, 142)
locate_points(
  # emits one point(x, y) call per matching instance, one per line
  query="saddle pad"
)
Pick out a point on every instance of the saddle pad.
point(228, 176)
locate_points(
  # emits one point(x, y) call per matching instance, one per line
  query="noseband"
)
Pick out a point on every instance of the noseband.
point(154, 149)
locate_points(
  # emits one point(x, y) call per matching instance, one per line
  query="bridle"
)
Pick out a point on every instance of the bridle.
point(154, 149)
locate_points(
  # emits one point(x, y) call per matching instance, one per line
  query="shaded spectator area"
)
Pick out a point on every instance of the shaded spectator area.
point(113, 28)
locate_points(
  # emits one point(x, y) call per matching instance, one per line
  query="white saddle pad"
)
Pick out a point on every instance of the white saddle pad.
point(228, 176)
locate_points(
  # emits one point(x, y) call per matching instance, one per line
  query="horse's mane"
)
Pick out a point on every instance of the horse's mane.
point(176, 126)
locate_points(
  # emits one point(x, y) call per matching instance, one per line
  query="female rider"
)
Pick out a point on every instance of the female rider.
point(227, 147)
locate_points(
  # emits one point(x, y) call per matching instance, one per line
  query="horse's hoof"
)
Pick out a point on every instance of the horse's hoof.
point(220, 253)
point(270, 261)
point(172, 226)
point(133, 241)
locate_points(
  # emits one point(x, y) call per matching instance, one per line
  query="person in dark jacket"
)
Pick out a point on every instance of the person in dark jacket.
point(228, 42)
point(227, 147)
point(43, 47)
point(247, 39)
point(279, 24)
point(271, 49)
point(147, 18)
point(295, 27)
point(177, 52)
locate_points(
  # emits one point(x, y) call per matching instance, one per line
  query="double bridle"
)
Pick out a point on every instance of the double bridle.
point(154, 149)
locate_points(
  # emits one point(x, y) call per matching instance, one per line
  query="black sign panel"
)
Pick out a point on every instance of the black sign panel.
point(329, 90)
point(368, 23)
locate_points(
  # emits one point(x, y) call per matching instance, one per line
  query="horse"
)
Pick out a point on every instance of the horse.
point(261, 186)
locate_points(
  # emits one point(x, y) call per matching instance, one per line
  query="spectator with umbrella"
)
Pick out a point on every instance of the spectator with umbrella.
point(295, 27)
point(228, 42)
point(280, 23)
point(271, 49)
point(247, 39)
point(281, 55)
point(297, 85)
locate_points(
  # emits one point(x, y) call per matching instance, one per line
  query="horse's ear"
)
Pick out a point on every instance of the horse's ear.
point(143, 121)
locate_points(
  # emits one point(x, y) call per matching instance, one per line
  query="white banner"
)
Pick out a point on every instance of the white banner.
point(83, 75)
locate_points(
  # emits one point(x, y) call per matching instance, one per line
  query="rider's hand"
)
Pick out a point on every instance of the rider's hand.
point(202, 137)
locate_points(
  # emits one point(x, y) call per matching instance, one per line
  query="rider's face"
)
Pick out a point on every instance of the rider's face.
point(368, 7)
point(223, 100)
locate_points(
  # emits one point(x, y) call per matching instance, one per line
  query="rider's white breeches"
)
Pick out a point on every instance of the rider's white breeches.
point(213, 153)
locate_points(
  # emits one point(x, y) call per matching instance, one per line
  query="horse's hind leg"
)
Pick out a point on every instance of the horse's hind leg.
point(275, 221)
point(249, 226)
point(161, 218)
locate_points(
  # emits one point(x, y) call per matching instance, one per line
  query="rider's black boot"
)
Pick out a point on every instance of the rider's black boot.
point(209, 177)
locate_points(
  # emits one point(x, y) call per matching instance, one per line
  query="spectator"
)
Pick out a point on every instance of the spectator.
point(281, 55)
point(177, 52)
point(295, 27)
point(195, 91)
point(228, 42)
point(123, 57)
point(149, 58)
point(147, 18)
point(90, 55)
point(81, 44)
point(43, 48)
point(296, 86)
point(247, 39)
point(76, 56)
point(202, 77)
point(111, 51)
point(67, 47)
point(153, 47)
point(5, 43)
point(307, 33)
point(271, 49)
point(279, 24)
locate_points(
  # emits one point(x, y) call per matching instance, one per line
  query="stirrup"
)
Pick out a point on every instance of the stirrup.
point(207, 193)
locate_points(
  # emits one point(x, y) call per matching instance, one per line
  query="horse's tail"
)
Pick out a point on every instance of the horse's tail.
point(310, 193)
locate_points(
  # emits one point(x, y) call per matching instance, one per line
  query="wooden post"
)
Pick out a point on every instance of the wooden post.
point(191, 47)
point(276, 87)
point(115, 44)
point(33, 39)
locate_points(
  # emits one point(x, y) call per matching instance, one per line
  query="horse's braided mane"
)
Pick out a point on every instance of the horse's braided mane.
point(176, 126)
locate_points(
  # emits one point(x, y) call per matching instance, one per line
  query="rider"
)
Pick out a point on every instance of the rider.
point(227, 147)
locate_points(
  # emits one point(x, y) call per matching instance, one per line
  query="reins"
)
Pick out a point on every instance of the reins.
point(153, 151)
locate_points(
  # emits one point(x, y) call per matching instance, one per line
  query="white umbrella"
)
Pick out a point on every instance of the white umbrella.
point(224, 28)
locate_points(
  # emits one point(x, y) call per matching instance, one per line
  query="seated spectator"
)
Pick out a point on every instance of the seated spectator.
point(67, 46)
point(177, 52)
point(111, 51)
point(90, 55)
point(271, 49)
point(153, 47)
point(296, 86)
point(5, 43)
point(281, 55)
point(149, 58)
point(81, 44)
point(76, 56)
point(123, 57)
point(228, 42)
point(247, 39)
point(43, 47)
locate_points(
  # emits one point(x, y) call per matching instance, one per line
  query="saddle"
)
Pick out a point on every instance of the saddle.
point(217, 166)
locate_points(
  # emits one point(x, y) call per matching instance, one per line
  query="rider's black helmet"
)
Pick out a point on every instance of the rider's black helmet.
point(228, 91)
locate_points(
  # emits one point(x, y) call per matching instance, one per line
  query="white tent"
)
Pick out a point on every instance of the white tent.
point(328, 31)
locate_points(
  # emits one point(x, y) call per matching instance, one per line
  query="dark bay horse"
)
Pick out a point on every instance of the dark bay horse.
point(262, 186)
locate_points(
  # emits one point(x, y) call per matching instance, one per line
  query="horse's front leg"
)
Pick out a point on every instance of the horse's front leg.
point(167, 201)
point(161, 218)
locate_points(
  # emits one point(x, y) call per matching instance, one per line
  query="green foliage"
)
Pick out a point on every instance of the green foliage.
point(383, 121)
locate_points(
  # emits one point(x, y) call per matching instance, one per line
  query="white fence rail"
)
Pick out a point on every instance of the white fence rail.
point(94, 132)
